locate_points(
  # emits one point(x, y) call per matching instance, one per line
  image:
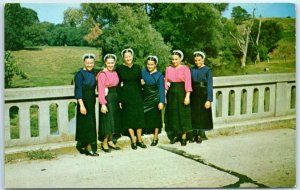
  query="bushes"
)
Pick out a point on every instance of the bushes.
point(12, 69)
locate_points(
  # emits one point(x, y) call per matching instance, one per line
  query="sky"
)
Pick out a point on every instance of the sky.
point(53, 12)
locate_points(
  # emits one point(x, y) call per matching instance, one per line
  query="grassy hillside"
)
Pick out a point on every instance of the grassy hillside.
point(50, 66)
point(287, 44)
point(282, 58)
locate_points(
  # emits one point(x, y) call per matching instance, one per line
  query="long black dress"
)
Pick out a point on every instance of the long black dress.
point(85, 84)
point(202, 92)
point(130, 95)
point(177, 115)
point(109, 122)
point(153, 94)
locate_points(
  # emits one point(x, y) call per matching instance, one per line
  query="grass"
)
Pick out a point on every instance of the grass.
point(50, 66)
point(276, 66)
point(41, 154)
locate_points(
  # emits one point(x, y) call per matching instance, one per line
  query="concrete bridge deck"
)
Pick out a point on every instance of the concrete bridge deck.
point(262, 158)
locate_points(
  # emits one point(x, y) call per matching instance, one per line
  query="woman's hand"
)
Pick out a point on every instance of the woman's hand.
point(186, 101)
point(207, 105)
point(120, 105)
point(142, 82)
point(104, 109)
point(160, 106)
point(83, 110)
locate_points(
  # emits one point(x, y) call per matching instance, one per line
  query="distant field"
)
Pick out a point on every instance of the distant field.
point(51, 66)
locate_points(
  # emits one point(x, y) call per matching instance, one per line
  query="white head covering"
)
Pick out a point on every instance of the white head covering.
point(200, 52)
point(154, 57)
point(180, 52)
point(88, 55)
point(109, 54)
point(128, 49)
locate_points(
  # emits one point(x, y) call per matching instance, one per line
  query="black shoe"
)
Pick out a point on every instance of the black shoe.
point(199, 139)
point(82, 151)
point(86, 152)
point(114, 147)
point(141, 144)
point(133, 146)
point(174, 140)
point(183, 142)
point(92, 153)
point(105, 150)
point(192, 140)
point(154, 142)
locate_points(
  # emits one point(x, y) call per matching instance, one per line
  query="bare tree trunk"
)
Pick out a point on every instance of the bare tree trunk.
point(243, 41)
point(257, 39)
point(245, 50)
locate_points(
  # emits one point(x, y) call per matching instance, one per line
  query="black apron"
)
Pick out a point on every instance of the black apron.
point(86, 124)
point(153, 116)
point(177, 115)
point(201, 117)
point(109, 122)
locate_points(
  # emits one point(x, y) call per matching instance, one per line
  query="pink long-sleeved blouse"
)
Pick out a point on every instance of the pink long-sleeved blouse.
point(105, 80)
point(179, 74)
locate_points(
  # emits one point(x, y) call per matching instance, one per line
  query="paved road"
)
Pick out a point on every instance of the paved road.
point(265, 158)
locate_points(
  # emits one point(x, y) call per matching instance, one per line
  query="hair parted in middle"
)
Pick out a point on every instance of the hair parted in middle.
point(199, 53)
point(109, 55)
point(88, 56)
point(126, 50)
point(179, 53)
point(153, 58)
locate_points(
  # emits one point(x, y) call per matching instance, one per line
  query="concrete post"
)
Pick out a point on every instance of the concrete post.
point(44, 119)
point(281, 103)
point(24, 115)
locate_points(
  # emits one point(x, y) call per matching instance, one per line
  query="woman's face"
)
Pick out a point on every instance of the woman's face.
point(89, 64)
point(151, 66)
point(128, 58)
point(199, 61)
point(110, 64)
point(176, 60)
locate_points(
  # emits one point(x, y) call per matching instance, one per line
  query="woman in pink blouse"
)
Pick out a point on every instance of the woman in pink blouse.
point(178, 87)
point(108, 102)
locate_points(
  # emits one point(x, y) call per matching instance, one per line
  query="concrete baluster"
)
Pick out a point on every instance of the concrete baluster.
point(44, 119)
point(24, 118)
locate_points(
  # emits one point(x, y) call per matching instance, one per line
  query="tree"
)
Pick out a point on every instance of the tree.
point(269, 33)
point(239, 15)
point(242, 40)
point(47, 28)
point(12, 69)
point(189, 26)
point(16, 19)
point(257, 42)
point(221, 7)
point(125, 27)
point(13, 26)
point(93, 37)
point(73, 17)
point(34, 35)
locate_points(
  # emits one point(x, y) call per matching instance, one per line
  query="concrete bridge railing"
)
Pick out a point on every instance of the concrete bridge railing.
point(236, 99)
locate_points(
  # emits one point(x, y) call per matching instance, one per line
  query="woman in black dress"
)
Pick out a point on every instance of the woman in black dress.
point(201, 97)
point(130, 97)
point(108, 81)
point(85, 84)
point(154, 97)
point(178, 111)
